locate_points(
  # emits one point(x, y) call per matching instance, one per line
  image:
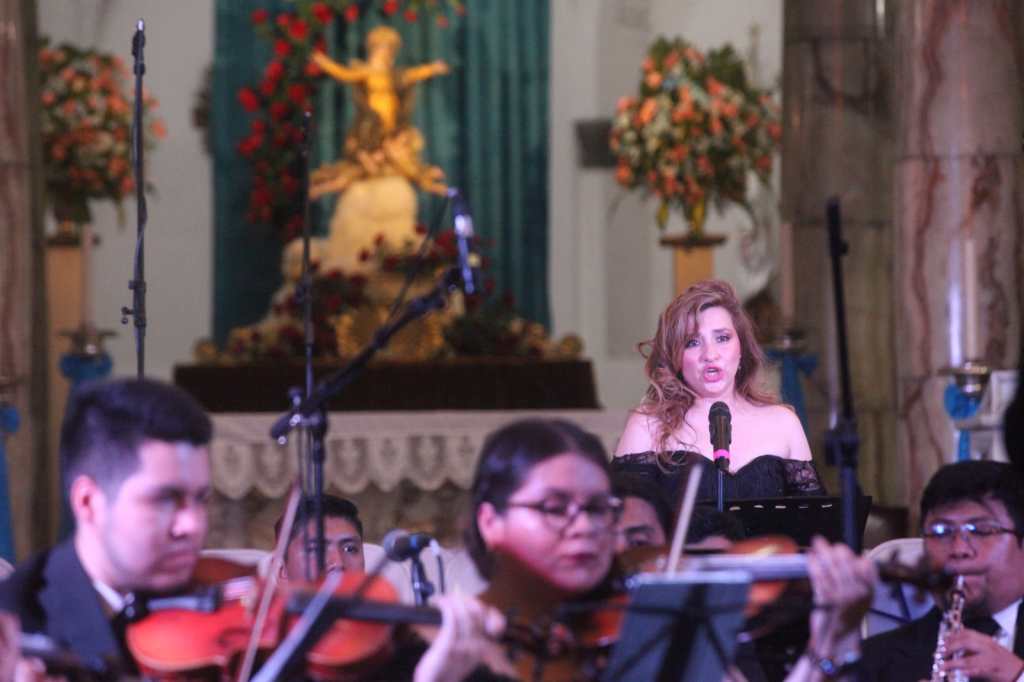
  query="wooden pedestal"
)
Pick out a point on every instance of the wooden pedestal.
point(693, 258)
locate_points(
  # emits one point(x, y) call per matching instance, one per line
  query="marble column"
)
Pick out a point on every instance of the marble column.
point(22, 303)
point(836, 140)
point(957, 180)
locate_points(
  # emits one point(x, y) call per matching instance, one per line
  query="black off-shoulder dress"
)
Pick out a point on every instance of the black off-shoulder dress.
point(763, 476)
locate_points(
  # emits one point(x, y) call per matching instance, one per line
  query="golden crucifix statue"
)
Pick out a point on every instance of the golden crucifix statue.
point(381, 140)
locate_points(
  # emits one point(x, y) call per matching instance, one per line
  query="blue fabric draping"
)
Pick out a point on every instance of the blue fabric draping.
point(79, 368)
point(959, 405)
point(791, 366)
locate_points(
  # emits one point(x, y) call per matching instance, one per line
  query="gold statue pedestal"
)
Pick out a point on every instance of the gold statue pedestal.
point(420, 340)
point(382, 207)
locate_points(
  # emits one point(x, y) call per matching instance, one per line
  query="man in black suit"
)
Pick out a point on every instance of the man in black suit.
point(136, 470)
point(973, 525)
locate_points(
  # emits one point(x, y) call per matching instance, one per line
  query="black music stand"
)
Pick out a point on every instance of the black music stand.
point(679, 627)
point(800, 518)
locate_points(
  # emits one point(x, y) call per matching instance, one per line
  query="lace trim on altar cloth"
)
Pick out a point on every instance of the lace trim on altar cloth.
point(378, 449)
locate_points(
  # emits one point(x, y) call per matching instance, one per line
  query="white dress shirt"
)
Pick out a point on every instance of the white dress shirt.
point(115, 600)
point(1007, 619)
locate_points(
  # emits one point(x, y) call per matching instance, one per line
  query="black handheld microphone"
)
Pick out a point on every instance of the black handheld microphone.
point(464, 234)
point(402, 546)
point(720, 426)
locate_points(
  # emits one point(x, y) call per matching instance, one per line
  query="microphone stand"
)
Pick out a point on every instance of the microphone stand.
point(842, 442)
point(421, 587)
point(138, 283)
point(315, 427)
point(721, 489)
point(303, 411)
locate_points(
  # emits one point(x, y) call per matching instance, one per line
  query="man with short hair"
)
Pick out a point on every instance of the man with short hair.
point(646, 519)
point(137, 475)
point(343, 538)
point(972, 525)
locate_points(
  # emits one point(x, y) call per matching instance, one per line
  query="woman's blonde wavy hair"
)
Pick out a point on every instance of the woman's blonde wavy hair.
point(668, 397)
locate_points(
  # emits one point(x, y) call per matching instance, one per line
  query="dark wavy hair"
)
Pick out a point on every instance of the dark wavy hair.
point(106, 422)
point(668, 398)
point(976, 481)
point(508, 456)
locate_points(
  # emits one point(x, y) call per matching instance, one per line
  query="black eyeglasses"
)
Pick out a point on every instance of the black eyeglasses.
point(972, 530)
point(604, 512)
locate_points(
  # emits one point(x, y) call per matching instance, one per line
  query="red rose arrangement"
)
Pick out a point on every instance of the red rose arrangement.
point(286, 89)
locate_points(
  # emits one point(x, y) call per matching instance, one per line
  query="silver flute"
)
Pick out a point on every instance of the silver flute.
point(952, 623)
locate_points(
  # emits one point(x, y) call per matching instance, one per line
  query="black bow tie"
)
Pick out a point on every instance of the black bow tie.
point(983, 624)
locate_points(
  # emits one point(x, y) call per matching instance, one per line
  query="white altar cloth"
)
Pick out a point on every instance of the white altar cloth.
point(375, 448)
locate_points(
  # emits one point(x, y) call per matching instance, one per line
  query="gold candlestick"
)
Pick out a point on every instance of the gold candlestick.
point(971, 377)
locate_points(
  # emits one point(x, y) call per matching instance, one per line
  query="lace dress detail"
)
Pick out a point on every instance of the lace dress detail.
point(802, 478)
point(763, 476)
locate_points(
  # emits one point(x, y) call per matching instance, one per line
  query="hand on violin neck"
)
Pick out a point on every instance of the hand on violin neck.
point(843, 585)
point(466, 640)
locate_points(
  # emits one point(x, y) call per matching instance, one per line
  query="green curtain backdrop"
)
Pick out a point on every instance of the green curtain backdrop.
point(486, 125)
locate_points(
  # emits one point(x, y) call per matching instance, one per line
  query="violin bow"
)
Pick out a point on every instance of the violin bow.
point(274, 570)
point(685, 515)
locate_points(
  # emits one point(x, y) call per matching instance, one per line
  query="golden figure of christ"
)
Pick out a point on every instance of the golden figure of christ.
point(381, 140)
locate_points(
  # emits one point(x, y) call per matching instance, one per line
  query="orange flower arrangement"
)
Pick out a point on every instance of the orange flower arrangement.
point(86, 120)
point(694, 131)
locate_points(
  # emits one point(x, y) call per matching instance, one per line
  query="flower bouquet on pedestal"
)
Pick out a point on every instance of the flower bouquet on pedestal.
point(86, 125)
point(694, 132)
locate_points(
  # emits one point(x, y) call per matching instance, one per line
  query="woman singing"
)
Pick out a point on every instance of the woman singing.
point(704, 352)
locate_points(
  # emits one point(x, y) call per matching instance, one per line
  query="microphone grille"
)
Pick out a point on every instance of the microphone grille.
point(391, 539)
point(719, 409)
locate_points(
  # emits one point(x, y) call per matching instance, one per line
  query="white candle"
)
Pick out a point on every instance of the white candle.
point(787, 289)
point(970, 300)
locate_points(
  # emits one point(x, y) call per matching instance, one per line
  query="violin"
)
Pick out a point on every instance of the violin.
point(206, 630)
point(202, 634)
point(776, 567)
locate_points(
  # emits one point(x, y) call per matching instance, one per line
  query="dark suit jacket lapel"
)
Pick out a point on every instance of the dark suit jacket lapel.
point(1018, 637)
point(74, 614)
point(912, 653)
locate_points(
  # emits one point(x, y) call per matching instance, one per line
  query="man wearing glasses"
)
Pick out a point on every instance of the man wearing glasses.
point(972, 520)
